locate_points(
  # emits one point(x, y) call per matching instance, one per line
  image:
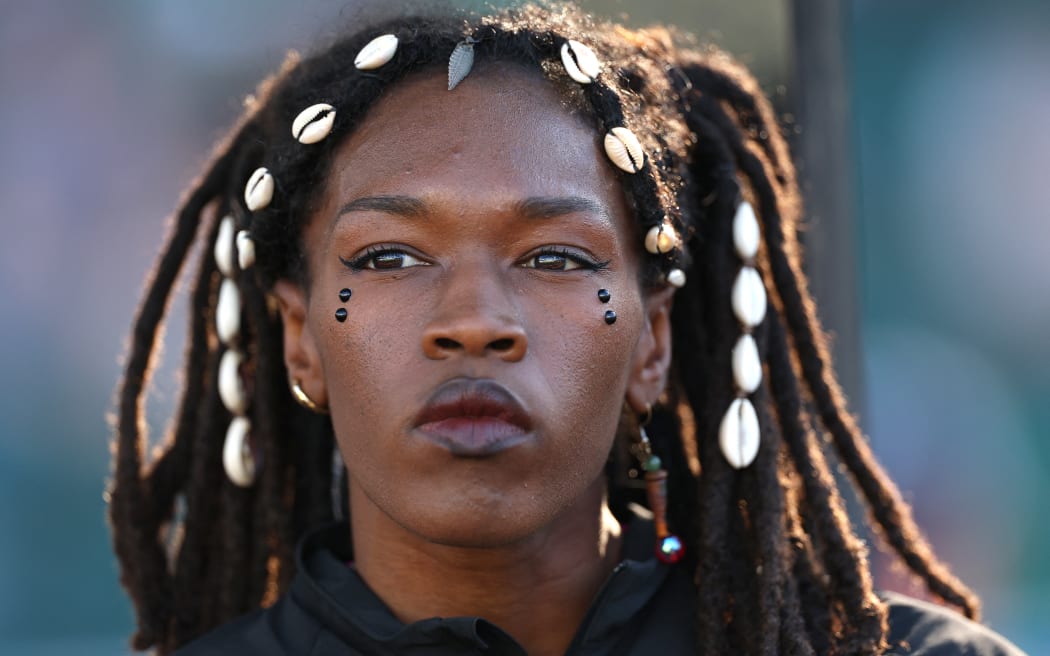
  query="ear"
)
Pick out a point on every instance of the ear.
point(301, 356)
point(652, 355)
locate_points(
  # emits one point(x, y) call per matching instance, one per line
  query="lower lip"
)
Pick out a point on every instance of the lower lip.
point(473, 436)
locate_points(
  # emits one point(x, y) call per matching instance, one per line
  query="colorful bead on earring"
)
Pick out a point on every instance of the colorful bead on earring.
point(669, 549)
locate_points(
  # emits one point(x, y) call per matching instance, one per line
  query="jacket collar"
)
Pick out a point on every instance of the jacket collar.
point(341, 600)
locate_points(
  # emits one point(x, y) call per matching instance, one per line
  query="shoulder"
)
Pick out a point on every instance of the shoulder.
point(276, 631)
point(918, 628)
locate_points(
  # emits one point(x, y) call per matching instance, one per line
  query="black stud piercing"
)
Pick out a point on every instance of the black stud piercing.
point(610, 317)
point(344, 295)
point(340, 315)
point(604, 295)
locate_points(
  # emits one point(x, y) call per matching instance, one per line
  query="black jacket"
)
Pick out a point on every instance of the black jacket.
point(644, 608)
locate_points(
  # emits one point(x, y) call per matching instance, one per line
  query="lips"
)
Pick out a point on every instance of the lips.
point(473, 418)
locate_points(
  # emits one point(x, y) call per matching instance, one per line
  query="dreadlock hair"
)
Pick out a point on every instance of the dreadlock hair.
point(777, 564)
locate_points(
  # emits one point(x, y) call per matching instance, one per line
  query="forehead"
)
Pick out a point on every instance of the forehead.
point(503, 133)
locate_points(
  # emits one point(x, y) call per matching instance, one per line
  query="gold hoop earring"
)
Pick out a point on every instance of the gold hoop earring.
point(302, 399)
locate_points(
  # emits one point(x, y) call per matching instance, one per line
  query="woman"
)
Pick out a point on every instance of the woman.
point(536, 279)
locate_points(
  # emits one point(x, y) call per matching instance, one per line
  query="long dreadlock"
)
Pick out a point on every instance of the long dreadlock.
point(777, 565)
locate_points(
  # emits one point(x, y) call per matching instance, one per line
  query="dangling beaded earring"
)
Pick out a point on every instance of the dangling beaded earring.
point(669, 548)
point(738, 434)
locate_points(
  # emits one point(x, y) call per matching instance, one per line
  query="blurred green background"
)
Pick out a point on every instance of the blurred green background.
point(921, 134)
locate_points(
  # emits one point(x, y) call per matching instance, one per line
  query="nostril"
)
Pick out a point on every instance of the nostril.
point(504, 344)
point(446, 343)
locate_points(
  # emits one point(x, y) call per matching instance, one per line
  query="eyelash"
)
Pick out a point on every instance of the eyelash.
point(361, 262)
point(576, 257)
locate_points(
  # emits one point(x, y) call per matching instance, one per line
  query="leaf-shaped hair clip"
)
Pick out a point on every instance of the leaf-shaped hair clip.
point(461, 61)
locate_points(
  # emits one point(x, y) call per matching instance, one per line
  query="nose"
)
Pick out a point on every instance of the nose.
point(475, 317)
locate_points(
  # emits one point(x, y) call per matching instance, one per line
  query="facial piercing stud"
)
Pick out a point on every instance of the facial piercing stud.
point(604, 295)
point(340, 315)
point(610, 317)
point(344, 294)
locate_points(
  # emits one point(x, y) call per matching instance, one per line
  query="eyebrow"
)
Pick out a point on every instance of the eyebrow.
point(536, 207)
point(400, 205)
point(543, 207)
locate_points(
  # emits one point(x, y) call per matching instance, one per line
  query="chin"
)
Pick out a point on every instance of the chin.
point(478, 526)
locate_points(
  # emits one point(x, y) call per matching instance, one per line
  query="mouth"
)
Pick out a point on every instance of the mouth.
point(473, 418)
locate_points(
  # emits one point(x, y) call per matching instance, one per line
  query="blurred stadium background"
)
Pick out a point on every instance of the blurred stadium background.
point(920, 130)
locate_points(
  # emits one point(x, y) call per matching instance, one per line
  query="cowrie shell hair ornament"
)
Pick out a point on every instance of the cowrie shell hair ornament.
point(747, 367)
point(259, 191)
point(245, 250)
point(676, 278)
point(460, 62)
point(745, 231)
point(228, 311)
point(738, 434)
point(660, 239)
point(313, 123)
point(580, 62)
point(224, 246)
point(231, 387)
point(624, 149)
point(377, 52)
point(749, 297)
point(237, 458)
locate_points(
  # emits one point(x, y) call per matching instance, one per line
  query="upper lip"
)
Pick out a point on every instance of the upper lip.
point(467, 398)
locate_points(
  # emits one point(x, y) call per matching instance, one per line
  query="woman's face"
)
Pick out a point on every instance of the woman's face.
point(475, 386)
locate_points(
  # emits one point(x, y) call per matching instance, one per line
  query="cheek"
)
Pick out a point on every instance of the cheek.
point(585, 364)
point(585, 353)
point(364, 356)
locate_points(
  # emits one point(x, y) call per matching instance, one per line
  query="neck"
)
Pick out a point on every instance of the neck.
point(538, 589)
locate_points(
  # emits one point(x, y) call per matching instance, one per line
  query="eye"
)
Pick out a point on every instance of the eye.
point(383, 258)
point(561, 259)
